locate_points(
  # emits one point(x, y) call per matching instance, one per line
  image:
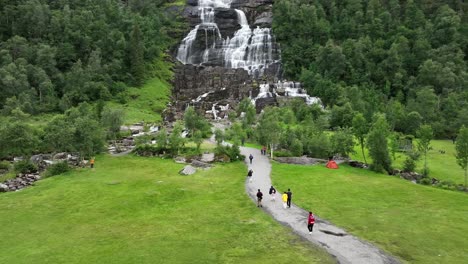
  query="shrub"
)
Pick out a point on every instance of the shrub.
point(233, 152)
point(4, 165)
point(282, 153)
point(25, 166)
point(147, 150)
point(57, 169)
point(297, 148)
point(425, 181)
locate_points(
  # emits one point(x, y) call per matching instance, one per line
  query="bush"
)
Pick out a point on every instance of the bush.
point(233, 152)
point(425, 181)
point(57, 169)
point(147, 150)
point(297, 148)
point(25, 166)
point(409, 164)
point(282, 153)
point(4, 165)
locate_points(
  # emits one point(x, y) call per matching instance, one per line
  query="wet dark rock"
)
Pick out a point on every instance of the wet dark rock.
point(357, 164)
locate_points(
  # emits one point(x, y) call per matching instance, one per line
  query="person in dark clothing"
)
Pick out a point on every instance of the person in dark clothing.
point(249, 174)
point(251, 158)
point(289, 193)
point(259, 198)
point(272, 193)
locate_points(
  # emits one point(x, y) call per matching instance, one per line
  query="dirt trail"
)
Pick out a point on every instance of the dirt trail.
point(345, 247)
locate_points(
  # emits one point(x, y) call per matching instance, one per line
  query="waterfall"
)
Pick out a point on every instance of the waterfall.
point(249, 49)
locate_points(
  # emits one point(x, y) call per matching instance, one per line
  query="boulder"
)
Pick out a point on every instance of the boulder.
point(180, 160)
point(61, 156)
point(3, 187)
point(200, 164)
point(208, 157)
point(188, 170)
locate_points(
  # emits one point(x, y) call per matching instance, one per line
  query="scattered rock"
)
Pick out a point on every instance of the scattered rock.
point(208, 157)
point(3, 187)
point(200, 164)
point(180, 160)
point(20, 182)
point(188, 170)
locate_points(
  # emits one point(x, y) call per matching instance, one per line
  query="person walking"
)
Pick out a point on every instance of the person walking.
point(251, 158)
point(285, 199)
point(272, 193)
point(310, 222)
point(263, 150)
point(259, 198)
point(91, 162)
point(249, 174)
point(289, 193)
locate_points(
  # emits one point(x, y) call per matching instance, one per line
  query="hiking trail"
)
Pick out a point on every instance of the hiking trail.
point(345, 247)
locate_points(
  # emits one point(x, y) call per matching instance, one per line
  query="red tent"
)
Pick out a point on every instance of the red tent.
point(331, 164)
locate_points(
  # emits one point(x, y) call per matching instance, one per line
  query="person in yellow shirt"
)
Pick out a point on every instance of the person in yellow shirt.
point(92, 162)
point(285, 199)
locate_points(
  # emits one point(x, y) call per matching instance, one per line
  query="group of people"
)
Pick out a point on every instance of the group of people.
point(263, 150)
point(286, 196)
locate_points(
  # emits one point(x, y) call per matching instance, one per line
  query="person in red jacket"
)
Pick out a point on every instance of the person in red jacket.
point(310, 222)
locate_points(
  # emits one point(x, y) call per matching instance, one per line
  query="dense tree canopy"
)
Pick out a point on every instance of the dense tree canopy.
point(408, 54)
point(56, 54)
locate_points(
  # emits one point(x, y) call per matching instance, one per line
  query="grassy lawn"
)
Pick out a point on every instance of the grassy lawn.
point(146, 103)
point(441, 166)
point(419, 224)
point(139, 210)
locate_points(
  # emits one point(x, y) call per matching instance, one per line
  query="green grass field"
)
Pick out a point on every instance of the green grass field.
point(441, 166)
point(139, 210)
point(145, 103)
point(419, 224)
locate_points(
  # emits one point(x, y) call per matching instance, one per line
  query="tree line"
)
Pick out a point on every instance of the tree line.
point(406, 59)
point(57, 54)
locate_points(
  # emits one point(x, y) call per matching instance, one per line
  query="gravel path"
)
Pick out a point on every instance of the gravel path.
point(345, 247)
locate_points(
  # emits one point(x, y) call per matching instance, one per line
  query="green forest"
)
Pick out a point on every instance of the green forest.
point(406, 59)
point(55, 54)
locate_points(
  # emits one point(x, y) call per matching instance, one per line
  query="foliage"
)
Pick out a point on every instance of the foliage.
point(407, 59)
point(409, 165)
point(425, 136)
point(78, 130)
point(148, 150)
point(195, 122)
point(297, 148)
point(233, 152)
point(360, 130)
point(219, 136)
point(378, 145)
point(462, 151)
point(342, 142)
point(197, 138)
point(58, 168)
point(25, 166)
point(5, 165)
point(268, 128)
point(111, 120)
point(53, 54)
point(17, 139)
point(175, 140)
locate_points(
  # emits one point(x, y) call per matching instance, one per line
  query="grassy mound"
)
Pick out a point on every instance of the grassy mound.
point(420, 224)
point(139, 210)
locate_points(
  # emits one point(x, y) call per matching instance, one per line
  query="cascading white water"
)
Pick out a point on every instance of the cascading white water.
point(249, 49)
point(294, 89)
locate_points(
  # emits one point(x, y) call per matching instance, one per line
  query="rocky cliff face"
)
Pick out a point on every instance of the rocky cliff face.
point(229, 47)
point(230, 53)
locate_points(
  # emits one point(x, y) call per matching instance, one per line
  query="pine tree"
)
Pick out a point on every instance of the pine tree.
point(137, 52)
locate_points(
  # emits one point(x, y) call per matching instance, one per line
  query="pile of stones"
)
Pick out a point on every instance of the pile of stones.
point(20, 182)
